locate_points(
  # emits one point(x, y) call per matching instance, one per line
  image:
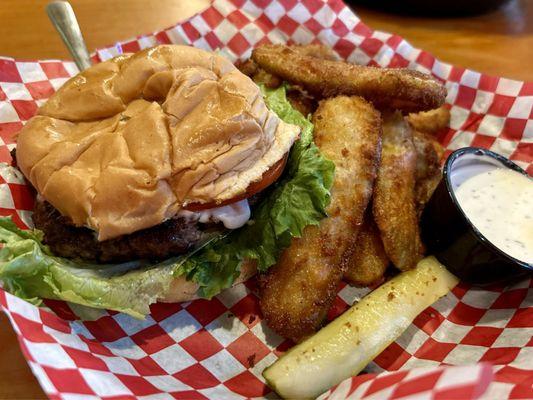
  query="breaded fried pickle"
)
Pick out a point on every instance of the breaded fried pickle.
point(298, 98)
point(432, 121)
point(315, 50)
point(394, 194)
point(260, 76)
point(298, 291)
point(428, 172)
point(368, 262)
point(392, 88)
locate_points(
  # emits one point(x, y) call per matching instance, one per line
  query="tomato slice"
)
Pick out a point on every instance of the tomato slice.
point(267, 179)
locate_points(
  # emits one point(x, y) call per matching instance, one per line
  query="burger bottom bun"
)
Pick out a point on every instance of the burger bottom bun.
point(183, 290)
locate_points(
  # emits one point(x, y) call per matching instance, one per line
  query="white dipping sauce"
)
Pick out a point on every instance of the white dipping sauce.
point(499, 203)
point(233, 215)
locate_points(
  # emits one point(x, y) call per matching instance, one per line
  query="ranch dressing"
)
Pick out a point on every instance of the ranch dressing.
point(499, 203)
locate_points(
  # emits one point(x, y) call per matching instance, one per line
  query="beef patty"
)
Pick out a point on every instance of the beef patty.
point(172, 237)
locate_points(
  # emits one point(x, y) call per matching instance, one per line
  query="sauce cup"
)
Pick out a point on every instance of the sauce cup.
point(450, 235)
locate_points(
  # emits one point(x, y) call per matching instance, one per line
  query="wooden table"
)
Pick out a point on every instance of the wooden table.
point(499, 43)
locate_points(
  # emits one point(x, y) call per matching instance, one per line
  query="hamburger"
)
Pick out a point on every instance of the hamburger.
point(161, 175)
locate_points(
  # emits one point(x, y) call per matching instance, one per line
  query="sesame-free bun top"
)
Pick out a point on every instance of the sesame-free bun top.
point(125, 144)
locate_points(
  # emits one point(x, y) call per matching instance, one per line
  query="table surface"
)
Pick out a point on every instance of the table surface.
point(498, 43)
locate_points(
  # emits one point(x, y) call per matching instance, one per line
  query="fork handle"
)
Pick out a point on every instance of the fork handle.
point(64, 20)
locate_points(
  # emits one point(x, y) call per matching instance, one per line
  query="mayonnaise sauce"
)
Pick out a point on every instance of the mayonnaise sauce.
point(233, 215)
point(499, 203)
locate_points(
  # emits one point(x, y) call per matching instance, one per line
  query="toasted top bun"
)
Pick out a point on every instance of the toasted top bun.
point(127, 143)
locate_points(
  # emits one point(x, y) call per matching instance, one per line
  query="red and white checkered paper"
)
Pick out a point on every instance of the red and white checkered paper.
point(473, 343)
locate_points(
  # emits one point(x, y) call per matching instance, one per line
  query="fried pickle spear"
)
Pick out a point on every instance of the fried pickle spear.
point(298, 291)
point(315, 50)
point(394, 194)
point(432, 121)
point(298, 98)
point(260, 76)
point(368, 262)
point(428, 172)
point(390, 88)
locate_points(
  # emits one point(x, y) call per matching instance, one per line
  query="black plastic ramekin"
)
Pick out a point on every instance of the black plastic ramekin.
point(452, 238)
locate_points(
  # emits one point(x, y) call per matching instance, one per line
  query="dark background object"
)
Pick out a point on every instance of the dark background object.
point(438, 8)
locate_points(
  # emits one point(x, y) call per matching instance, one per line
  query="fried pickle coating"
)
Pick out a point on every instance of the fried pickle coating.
point(258, 74)
point(432, 121)
point(315, 50)
point(428, 171)
point(298, 97)
point(394, 194)
point(388, 88)
point(368, 262)
point(297, 292)
point(247, 67)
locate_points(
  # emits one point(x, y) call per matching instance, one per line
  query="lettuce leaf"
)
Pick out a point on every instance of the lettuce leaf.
point(30, 271)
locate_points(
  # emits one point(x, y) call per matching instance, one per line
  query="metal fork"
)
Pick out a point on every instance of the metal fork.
point(64, 20)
